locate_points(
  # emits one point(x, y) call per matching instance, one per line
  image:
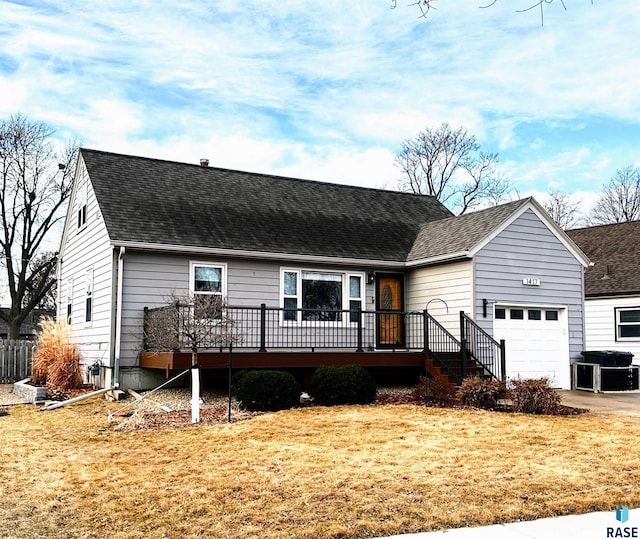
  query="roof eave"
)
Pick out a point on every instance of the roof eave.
point(257, 255)
point(449, 257)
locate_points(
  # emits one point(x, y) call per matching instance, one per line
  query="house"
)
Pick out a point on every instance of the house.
point(311, 271)
point(30, 325)
point(612, 286)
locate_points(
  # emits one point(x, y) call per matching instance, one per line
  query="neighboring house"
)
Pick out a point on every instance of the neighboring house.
point(30, 326)
point(138, 230)
point(612, 286)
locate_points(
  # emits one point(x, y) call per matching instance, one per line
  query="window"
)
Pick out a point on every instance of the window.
point(208, 278)
point(628, 324)
point(516, 314)
point(500, 313)
point(81, 205)
point(69, 299)
point(88, 295)
point(551, 315)
point(534, 314)
point(319, 296)
point(355, 297)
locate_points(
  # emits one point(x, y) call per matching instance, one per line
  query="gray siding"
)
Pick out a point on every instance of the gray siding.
point(82, 249)
point(150, 279)
point(527, 248)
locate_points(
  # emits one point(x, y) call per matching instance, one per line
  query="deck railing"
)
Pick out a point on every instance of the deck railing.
point(274, 328)
point(488, 353)
point(265, 328)
point(444, 348)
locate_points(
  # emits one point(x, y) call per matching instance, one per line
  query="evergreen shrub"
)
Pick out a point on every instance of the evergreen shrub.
point(268, 391)
point(347, 384)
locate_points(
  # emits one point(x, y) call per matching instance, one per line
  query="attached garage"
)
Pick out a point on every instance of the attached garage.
point(537, 341)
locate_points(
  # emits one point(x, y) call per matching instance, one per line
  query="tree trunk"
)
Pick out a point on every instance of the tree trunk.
point(13, 329)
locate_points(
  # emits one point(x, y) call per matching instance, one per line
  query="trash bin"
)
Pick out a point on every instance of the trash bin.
point(608, 358)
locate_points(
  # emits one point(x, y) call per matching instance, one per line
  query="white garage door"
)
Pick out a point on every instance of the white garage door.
point(537, 343)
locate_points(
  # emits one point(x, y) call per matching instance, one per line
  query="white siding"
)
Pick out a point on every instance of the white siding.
point(82, 249)
point(600, 325)
point(451, 283)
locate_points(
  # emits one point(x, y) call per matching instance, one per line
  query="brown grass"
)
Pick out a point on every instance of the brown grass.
point(360, 471)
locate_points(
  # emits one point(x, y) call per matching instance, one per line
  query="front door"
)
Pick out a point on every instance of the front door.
point(390, 306)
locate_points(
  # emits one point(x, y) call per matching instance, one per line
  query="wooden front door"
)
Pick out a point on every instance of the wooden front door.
point(390, 298)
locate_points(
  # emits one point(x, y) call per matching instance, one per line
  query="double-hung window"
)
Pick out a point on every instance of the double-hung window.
point(69, 302)
point(320, 296)
point(81, 204)
point(88, 301)
point(206, 281)
point(206, 278)
point(628, 323)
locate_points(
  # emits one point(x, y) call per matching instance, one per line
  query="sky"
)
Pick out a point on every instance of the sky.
point(328, 90)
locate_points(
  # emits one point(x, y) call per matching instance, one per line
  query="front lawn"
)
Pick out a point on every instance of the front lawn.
point(360, 471)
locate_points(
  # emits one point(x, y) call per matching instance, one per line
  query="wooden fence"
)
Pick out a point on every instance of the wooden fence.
point(15, 360)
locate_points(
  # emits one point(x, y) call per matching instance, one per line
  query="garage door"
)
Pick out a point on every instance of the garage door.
point(537, 343)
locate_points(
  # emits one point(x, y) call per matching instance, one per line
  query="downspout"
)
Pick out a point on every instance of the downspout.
point(116, 361)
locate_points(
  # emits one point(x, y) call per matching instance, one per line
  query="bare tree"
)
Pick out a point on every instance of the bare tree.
point(620, 201)
point(425, 6)
point(448, 165)
point(562, 209)
point(193, 322)
point(35, 186)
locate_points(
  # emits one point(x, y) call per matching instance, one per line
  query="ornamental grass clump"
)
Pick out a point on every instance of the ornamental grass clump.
point(56, 361)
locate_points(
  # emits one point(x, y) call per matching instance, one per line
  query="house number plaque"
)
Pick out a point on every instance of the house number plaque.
point(531, 281)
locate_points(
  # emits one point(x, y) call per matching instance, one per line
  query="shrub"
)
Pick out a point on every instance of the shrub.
point(434, 392)
point(268, 391)
point(534, 396)
point(348, 384)
point(56, 361)
point(481, 393)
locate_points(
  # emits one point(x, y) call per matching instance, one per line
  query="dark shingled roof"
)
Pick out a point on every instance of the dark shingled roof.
point(161, 202)
point(462, 233)
point(615, 253)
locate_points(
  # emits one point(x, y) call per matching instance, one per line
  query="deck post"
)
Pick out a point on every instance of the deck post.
point(463, 345)
point(145, 318)
point(503, 360)
point(425, 330)
point(263, 327)
point(359, 330)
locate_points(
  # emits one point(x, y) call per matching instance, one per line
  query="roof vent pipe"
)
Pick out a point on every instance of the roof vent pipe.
point(204, 162)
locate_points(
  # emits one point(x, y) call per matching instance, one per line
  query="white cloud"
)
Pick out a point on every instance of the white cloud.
point(322, 90)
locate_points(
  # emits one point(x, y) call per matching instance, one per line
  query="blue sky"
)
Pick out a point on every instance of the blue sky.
point(328, 90)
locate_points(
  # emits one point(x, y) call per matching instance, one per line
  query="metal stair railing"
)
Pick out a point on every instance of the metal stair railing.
point(444, 348)
point(488, 353)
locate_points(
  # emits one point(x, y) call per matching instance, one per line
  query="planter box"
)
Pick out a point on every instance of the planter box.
point(33, 394)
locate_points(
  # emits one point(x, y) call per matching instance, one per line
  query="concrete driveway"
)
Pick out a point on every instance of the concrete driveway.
point(616, 402)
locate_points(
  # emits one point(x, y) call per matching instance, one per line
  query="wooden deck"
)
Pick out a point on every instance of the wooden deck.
point(387, 364)
point(172, 361)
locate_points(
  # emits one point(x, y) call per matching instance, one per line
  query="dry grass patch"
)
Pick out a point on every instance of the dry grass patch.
point(360, 471)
